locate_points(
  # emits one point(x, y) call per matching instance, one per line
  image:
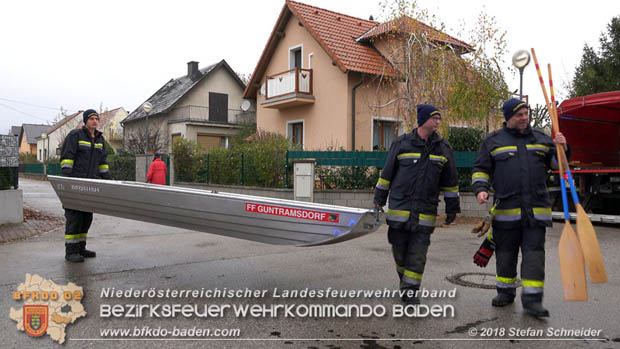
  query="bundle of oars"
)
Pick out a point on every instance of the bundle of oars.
point(573, 251)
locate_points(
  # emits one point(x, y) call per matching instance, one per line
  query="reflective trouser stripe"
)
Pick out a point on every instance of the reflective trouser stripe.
point(411, 277)
point(73, 238)
point(532, 286)
point(104, 168)
point(427, 220)
point(398, 215)
point(400, 269)
point(504, 282)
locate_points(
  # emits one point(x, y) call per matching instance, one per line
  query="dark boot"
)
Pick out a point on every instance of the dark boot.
point(532, 304)
point(72, 253)
point(504, 297)
point(86, 253)
point(413, 299)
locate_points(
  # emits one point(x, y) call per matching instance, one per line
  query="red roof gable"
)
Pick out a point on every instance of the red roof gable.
point(337, 34)
point(344, 38)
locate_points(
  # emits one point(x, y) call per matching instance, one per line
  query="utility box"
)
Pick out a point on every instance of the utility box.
point(303, 174)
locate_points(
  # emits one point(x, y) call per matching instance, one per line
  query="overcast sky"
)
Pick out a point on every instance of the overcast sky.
point(80, 54)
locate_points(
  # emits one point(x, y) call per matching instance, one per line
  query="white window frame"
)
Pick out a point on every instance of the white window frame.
point(401, 127)
point(291, 62)
point(289, 129)
point(310, 55)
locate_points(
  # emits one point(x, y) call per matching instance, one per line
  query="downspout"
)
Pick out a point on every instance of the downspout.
point(353, 111)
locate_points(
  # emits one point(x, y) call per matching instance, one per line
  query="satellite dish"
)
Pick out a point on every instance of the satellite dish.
point(245, 106)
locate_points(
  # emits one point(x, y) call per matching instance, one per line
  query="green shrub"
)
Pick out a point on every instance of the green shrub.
point(122, 166)
point(26, 158)
point(186, 157)
point(6, 177)
point(465, 139)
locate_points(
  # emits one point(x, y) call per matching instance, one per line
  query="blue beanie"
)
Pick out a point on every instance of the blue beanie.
point(88, 113)
point(425, 111)
point(511, 107)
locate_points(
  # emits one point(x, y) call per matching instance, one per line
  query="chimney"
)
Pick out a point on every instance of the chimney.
point(192, 70)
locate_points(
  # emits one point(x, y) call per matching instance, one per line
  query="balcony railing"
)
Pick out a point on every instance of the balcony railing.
point(201, 114)
point(295, 81)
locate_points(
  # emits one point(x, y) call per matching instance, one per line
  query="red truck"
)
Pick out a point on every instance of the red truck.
point(591, 125)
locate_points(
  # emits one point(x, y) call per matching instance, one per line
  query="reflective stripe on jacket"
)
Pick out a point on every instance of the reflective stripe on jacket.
point(414, 174)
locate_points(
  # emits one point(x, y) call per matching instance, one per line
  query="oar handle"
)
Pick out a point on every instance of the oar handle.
point(564, 198)
point(572, 187)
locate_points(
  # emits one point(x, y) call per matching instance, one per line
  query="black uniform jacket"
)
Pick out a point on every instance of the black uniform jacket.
point(516, 165)
point(84, 156)
point(415, 172)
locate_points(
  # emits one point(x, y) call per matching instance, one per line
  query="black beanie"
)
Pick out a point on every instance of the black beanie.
point(511, 107)
point(425, 111)
point(88, 113)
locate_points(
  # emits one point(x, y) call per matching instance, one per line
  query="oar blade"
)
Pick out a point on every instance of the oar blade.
point(590, 247)
point(572, 266)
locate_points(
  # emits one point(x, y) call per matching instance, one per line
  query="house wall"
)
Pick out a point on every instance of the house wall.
point(57, 137)
point(112, 130)
point(371, 94)
point(327, 117)
point(24, 147)
point(219, 81)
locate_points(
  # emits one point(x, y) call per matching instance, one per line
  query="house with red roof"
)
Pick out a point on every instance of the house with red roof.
point(323, 79)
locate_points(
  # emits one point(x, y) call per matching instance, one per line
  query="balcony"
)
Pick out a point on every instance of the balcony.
point(288, 89)
point(200, 114)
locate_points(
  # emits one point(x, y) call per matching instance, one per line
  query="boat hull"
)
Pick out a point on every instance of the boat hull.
point(255, 218)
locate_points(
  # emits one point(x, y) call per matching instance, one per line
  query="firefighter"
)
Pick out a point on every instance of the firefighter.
point(83, 155)
point(419, 165)
point(515, 160)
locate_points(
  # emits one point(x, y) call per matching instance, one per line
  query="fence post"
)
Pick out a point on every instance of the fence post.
point(286, 171)
point(242, 166)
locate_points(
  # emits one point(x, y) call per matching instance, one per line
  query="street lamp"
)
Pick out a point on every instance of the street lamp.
point(520, 60)
point(146, 107)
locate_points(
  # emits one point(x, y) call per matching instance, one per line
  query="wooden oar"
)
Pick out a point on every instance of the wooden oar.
point(572, 265)
point(585, 229)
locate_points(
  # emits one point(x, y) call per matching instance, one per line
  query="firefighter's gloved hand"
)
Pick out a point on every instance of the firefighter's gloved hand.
point(483, 226)
point(484, 253)
point(450, 217)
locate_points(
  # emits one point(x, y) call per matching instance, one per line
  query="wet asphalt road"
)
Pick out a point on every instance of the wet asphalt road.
point(141, 256)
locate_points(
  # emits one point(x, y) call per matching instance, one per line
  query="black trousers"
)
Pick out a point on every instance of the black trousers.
point(409, 250)
point(76, 229)
point(531, 241)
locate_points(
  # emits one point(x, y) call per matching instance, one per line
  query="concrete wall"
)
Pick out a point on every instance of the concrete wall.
point(11, 206)
point(350, 198)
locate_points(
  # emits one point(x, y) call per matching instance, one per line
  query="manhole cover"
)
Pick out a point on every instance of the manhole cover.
point(476, 280)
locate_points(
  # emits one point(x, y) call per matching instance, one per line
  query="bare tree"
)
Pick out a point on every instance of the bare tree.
point(464, 80)
point(158, 142)
point(539, 117)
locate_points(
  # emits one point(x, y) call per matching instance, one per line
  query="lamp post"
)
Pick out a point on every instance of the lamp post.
point(146, 107)
point(520, 60)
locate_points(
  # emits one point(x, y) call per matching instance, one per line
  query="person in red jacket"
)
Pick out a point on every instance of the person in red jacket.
point(157, 171)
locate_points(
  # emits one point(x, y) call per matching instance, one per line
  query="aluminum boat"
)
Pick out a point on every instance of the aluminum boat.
point(255, 218)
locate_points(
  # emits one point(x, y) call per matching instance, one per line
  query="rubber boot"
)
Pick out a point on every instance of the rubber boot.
point(86, 253)
point(532, 304)
point(410, 300)
point(505, 296)
point(72, 253)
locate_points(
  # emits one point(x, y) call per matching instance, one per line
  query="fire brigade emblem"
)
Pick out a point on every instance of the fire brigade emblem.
point(35, 319)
